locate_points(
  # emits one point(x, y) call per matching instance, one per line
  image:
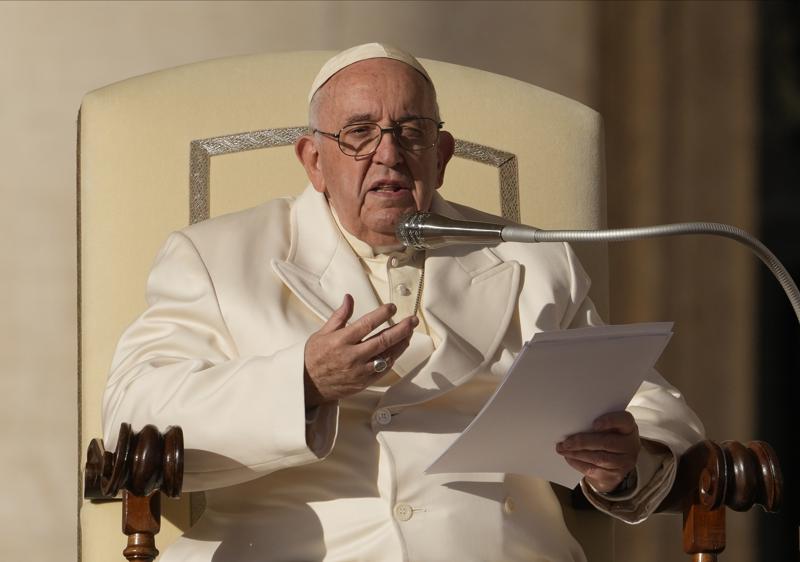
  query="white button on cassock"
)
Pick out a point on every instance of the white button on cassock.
point(403, 512)
point(383, 416)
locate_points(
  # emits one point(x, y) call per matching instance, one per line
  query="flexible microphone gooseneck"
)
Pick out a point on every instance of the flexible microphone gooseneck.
point(428, 231)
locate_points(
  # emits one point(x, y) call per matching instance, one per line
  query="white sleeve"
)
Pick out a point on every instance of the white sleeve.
point(177, 364)
point(661, 413)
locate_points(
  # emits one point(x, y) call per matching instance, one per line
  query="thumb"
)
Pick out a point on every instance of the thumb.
point(340, 316)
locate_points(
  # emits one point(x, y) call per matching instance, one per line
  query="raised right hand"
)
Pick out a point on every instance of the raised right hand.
point(338, 360)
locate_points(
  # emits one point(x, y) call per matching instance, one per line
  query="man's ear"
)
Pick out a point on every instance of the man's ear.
point(306, 151)
point(444, 152)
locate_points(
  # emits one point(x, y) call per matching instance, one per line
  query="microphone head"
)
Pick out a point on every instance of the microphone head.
point(409, 230)
point(428, 231)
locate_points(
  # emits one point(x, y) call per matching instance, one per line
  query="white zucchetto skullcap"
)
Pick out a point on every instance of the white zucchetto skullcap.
point(359, 53)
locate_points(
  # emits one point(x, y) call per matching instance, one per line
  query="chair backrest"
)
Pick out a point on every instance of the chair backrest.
point(163, 149)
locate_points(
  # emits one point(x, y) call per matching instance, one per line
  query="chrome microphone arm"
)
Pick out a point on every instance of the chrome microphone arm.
point(520, 233)
point(426, 230)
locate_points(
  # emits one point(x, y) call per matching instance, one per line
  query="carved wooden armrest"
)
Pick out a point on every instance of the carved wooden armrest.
point(714, 475)
point(710, 477)
point(143, 465)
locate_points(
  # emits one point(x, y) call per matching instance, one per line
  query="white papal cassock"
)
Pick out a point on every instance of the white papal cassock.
point(219, 351)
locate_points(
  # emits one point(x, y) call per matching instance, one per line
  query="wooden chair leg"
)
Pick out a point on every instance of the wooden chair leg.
point(141, 521)
point(703, 533)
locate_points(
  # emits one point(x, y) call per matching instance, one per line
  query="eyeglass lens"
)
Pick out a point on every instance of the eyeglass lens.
point(363, 138)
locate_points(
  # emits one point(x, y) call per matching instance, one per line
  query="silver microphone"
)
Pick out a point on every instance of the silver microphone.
point(428, 231)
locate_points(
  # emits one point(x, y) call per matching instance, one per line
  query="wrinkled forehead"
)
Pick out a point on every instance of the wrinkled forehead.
point(371, 87)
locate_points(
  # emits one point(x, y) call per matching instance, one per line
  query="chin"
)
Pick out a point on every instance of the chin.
point(383, 234)
point(385, 221)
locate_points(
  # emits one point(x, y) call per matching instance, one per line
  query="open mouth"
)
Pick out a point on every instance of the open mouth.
point(388, 187)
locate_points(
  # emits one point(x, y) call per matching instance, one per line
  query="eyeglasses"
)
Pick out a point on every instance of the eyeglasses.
point(362, 139)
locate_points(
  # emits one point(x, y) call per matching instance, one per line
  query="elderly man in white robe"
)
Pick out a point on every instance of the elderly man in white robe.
point(318, 367)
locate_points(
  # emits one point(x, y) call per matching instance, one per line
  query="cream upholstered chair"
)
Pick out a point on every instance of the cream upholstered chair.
point(160, 150)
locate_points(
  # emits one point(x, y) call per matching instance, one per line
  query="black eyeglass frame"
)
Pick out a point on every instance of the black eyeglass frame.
point(394, 129)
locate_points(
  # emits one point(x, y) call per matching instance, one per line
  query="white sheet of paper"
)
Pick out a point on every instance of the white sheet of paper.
point(557, 386)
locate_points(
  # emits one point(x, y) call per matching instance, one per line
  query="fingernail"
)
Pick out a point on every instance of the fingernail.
point(414, 321)
point(392, 307)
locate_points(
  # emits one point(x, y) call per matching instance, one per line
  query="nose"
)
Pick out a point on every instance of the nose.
point(389, 152)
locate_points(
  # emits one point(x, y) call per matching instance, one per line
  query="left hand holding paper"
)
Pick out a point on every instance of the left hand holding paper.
point(606, 454)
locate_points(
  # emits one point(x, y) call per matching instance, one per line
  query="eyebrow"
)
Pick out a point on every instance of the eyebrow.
point(360, 118)
point(370, 118)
